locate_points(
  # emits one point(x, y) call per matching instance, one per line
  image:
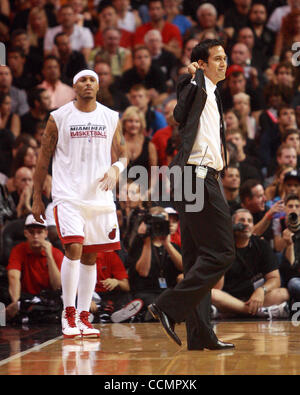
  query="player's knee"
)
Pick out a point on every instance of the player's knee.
point(88, 259)
point(73, 251)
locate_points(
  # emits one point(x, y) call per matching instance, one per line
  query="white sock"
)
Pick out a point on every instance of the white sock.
point(69, 281)
point(86, 286)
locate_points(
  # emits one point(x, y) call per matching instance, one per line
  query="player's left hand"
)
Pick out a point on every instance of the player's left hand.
point(108, 181)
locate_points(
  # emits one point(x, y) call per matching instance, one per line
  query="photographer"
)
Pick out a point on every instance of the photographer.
point(251, 286)
point(154, 262)
point(290, 266)
point(282, 235)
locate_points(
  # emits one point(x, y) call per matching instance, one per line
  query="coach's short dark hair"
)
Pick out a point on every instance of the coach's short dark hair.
point(201, 50)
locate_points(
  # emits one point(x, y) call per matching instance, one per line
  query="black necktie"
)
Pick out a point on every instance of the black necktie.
point(222, 129)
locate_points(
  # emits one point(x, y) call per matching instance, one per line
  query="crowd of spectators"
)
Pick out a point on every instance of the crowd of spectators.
point(139, 48)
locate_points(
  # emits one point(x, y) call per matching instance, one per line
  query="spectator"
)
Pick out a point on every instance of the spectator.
point(154, 263)
point(264, 38)
point(248, 166)
point(207, 21)
point(241, 103)
point(128, 19)
point(22, 79)
point(275, 19)
point(292, 137)
point(27, 156)
point(236, 83)
point(231, 185)
point(80, 37)
point(59, 92)
point(71, 61)
point(24, 139)
point(174, 226)
point(144, 72)
point(271, 138)
point(174, 16)
point(131, 201)
point(286, 155)
point(21, 18)
point(277, 190)
point(139, 96)
point(6, 145)
point(188, 46)
point(288, 34)
point(241, 55)
point(7, 209)
point(161, 58)
point(141, 151)
point(285, 77)
point(112, 286)
point(251, 287)
point(274, 100)
point(84, 17)
point(258, 60)
point(9, 120)
point(170, 33)
point(291, 205)
point(33, 59)
point(19, 103)
point(236, 17)
point(33, 265)
point(162, 136)
point(22, 195)
point(109, 94)
point(40, 104)
point(37, 28)
point(108, 18)
point(119, 58)
point(289, 268)
point(233, 121)
point(253, 198)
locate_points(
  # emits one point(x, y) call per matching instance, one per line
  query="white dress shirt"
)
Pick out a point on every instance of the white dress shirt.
point(207, 145)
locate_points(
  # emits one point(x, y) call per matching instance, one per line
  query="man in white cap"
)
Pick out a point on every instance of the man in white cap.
point(83, 137)
point(34, 265)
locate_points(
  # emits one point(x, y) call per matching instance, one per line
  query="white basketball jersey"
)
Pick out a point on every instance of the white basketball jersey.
point(82, 156)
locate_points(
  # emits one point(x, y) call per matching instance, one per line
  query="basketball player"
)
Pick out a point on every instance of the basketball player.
point(82, 136)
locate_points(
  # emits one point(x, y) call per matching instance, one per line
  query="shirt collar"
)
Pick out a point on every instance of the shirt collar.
point(210, 86)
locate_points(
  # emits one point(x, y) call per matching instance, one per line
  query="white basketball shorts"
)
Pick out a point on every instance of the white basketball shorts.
point(95, 231)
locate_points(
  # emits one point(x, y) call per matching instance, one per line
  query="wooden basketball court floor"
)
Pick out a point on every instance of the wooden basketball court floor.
point(262, 348)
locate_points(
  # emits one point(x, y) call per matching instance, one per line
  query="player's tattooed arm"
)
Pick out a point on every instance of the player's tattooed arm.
point(48, 145)
point(119, 147)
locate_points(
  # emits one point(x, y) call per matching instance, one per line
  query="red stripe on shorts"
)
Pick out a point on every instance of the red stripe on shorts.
point(101, 247)
point(66, 239)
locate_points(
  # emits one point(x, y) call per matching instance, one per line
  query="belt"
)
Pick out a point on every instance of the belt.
point(210, 170)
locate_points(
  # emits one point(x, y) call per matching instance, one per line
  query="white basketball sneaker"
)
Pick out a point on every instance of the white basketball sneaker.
point(70, 329)
point(85, 327)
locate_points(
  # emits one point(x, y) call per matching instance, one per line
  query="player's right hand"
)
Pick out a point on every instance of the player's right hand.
point(38, 210)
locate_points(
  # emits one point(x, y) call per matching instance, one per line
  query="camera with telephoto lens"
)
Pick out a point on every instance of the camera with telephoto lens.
point(293, 224)
point(156, 225)
point(239, 227)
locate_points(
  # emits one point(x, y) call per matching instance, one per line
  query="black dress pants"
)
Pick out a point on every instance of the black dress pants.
point(208, 251)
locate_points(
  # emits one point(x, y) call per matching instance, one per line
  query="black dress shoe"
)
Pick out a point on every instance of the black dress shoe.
point(219, 345)
point(212, 345)
point(167, 323)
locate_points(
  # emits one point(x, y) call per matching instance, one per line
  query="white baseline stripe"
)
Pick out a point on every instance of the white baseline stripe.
point(33, 349)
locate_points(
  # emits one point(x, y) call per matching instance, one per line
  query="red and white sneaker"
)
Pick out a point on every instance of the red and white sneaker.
point(69, 319)
point(85, 327)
